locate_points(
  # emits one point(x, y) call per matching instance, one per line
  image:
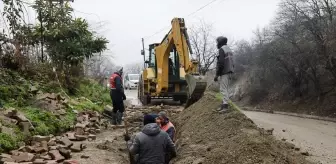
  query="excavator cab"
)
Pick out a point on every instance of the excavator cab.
point(176, 83)
point(151, 62)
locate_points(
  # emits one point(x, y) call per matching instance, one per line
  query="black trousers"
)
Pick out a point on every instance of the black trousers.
point(117, 101)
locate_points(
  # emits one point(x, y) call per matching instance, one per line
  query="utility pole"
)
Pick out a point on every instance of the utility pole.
point(42, 37)
point(143, 52)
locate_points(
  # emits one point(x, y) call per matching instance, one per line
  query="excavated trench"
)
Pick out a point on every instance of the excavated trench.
point(204, 136)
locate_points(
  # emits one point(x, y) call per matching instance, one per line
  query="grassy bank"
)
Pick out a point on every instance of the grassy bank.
point(20, 93)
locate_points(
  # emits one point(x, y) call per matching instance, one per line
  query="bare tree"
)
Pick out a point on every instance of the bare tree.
point(134, 68)
point(99, 66)
point(203, 45)
point(295, 56)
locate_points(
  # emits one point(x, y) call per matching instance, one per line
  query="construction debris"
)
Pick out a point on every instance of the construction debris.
point(11, 117)
point(53, 149)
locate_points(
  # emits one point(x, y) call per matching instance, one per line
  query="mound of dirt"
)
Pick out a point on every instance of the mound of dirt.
point(205, 136)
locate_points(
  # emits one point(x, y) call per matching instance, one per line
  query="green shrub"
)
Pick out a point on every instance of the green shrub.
point(51, 87)
point(46, 123)
point(87, 105)
point(7, 142)
point(94, 91)
point(232, 105)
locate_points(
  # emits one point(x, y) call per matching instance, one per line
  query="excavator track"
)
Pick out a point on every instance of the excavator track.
point(196, 88)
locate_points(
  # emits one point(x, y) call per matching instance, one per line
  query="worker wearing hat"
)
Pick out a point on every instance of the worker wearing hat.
point(224, 71)
point(117, 95)
point(169, 128)
point(166, 125)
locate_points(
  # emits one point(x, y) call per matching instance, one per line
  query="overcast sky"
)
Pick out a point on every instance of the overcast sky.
point(125, 22)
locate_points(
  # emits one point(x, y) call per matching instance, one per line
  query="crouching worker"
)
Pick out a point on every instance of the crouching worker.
point(166, 125)
point(151, 145)
point(117, 95)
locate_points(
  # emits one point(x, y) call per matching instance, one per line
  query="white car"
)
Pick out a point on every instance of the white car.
point(131, 81)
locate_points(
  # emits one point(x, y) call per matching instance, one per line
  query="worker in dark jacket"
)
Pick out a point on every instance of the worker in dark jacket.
point(149, 118)
point(117, 95)
point(151, 145)
point(224, 71)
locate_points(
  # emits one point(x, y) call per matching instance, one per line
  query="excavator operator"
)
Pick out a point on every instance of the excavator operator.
point(171, 67)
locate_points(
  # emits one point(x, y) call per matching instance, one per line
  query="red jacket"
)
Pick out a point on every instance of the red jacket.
point(170, 129)
point(113, 84)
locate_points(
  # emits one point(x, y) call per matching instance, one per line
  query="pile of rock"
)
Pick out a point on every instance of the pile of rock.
point(88, 124)
point(52, 102)
point(44, 150)
point(13, 117)
point(50, 149)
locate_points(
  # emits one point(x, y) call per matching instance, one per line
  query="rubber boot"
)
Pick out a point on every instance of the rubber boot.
point(224, 108)
point(119, 118)
point(114, 118)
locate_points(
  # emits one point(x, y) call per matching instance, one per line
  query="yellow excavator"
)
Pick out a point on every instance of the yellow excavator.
point(168, 72)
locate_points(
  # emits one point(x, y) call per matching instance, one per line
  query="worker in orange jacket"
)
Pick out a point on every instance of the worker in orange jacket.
point(169, 128)
point(166, 125)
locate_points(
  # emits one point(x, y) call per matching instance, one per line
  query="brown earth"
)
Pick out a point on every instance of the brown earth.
point(205, 136)
point(109, 147)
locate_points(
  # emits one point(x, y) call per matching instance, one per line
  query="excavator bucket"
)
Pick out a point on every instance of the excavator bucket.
point(196, 88)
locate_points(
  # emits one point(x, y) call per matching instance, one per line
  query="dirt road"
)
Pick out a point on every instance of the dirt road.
point(314, 136)
point(107, 148)
point(132, 97)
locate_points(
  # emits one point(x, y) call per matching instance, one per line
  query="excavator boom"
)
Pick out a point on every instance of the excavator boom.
point(179, 38)
point(175, 43)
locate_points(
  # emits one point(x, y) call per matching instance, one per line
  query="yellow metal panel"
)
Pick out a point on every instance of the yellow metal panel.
point(182, 73)
point(144, 74)
point(150, 73)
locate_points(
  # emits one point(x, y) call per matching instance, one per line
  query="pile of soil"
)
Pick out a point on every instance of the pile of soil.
point(206, 136)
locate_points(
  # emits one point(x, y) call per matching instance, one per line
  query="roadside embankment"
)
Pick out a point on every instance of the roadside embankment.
point(205, 136)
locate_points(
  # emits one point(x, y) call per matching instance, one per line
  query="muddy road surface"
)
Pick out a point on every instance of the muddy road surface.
point(132, 99)
point(109, 146)
point(316, 137)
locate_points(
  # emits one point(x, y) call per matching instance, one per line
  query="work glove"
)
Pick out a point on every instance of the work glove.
point(127, 137)
point(216, 78)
